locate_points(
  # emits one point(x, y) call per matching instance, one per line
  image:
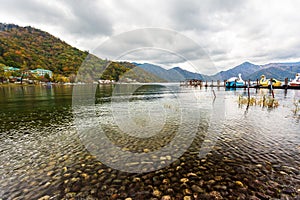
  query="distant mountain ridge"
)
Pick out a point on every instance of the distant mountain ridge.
point(276, 70)
point(172, 75)
point(248, 70)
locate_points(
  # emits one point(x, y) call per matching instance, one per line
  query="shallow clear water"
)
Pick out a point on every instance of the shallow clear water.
point(49, 146)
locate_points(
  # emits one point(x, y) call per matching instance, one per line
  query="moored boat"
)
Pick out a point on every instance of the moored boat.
point(295, 82)
point(235, 82)
point(266, 82)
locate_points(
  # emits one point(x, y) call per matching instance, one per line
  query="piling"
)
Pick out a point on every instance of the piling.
point(286, 80)
point(271, 86)
point(249, 90)
point(201, 84)
point(214, 93)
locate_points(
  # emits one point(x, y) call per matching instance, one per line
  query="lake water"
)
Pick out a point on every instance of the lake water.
point(147, 142)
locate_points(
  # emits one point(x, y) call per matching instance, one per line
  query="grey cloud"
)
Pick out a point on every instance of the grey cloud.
point(79, 17)
point(153, 45)
point(282, 54)
point(87, 18)
point(202, 15)
point(32, 11)
point(151, 55)
point(230, 31)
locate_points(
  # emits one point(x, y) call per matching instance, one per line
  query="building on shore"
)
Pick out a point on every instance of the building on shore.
point(42, 72)
point(11, 69)
point(38, 72)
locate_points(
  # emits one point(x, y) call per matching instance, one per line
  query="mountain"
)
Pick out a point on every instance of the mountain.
point(30, 48)
point(187, 74)
point(251, 71)
point(277, 70)
point(246, 69)
point(160, 72)
point(125, 71)
point(171, 75)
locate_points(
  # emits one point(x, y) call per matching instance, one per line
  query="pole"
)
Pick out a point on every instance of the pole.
point(249, 89)
point(271, 86)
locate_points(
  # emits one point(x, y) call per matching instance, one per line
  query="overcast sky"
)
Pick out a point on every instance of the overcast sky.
point(229, 31)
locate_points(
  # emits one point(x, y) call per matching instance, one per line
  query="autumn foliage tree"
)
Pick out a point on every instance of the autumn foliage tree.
point(38, 49)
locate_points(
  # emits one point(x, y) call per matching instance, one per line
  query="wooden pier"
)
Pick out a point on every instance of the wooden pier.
point(248, 84)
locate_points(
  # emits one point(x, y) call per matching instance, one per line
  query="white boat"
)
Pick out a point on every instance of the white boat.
point(296, 81)
point(235, 81)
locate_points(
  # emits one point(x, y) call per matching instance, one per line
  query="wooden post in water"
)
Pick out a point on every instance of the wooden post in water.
point(218, 82)
point(249, 89)
point(214, 93)
point(212, 83)
point(286, 84)
point(271, 86)
point(257, 86)
point(225, 83)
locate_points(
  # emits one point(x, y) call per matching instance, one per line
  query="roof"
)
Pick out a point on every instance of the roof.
point(11, 68)
point(41, 70)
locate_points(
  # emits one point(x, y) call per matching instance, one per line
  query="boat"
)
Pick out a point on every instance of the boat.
point(235, 82)
point(266, 82)
point(296, 81)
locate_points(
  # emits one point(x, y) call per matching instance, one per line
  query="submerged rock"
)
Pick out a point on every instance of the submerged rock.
point(216, 195)
point(239, 183)
point(46, 197)
point(184, 180)
point(187, 198)
point(156, 193)
point(197, 189)
point(166, 197)
point(218, 178)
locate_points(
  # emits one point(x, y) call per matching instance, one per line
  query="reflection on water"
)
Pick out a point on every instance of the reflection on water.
point(256, 156)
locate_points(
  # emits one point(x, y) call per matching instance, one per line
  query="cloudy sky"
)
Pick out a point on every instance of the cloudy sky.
point(229, 32)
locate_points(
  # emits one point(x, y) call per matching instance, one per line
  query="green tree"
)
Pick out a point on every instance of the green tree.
point(47, 77)
point(7, 74)
point(72, 78)
point(24, 71)
point(2, 72)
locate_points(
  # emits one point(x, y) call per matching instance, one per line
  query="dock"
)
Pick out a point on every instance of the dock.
point(248, 84)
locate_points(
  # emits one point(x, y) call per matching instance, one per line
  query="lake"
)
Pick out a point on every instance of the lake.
point(152, 141)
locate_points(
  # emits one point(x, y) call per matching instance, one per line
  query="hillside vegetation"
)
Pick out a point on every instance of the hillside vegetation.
point(29, 48)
